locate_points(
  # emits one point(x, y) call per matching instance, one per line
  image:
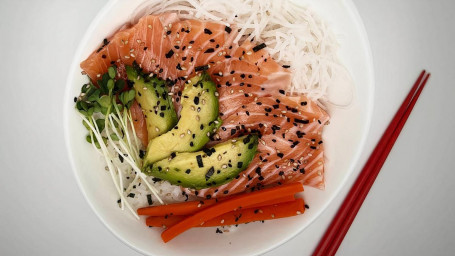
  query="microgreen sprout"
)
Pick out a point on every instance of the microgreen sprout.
point(105, 111)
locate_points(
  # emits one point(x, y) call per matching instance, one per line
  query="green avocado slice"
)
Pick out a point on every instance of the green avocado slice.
point(199, 119)
point(211, 167)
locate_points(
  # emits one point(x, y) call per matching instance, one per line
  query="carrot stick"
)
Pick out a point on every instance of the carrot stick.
point(223, 207)
point(188, 208)
point(185, 208)
point(266, 212)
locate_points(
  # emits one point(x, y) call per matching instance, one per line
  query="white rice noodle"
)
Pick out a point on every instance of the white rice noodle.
point(294, 36)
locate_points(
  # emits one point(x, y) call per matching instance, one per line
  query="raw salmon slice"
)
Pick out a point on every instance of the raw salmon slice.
point(290, 145)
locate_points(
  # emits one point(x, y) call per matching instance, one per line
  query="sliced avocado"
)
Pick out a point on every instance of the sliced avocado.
point(153, 98)
point(198, 120)
point(211, 167)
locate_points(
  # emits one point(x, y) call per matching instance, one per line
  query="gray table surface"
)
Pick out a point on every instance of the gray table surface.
point(409, 211)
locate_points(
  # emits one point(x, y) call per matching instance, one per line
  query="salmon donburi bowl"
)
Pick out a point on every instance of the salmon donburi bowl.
point(200, 117)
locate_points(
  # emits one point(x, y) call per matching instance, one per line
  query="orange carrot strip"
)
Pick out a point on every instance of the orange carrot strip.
point(266, 212)
point(188, 208)
point(230, 205)
point(185, 208)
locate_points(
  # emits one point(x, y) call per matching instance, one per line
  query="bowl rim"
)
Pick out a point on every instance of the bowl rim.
point(366, 130)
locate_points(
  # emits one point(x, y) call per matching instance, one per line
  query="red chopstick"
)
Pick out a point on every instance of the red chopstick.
point(339, 226)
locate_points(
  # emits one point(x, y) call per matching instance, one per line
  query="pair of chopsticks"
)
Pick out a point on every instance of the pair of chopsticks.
point(339, 226)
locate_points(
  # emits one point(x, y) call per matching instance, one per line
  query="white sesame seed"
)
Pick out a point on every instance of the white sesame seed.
point(208, 134)
point(177, 42)
point(224, 166)
point(189, 47)
point(298, 212)
point(232, 91)
point(132, 55)
point(170, 25)
point(138, 41)
point(220, 53)
point(249, 53)
point(203, 102)
point(199, 205)
point(98, 75)
point(182, 135)
point(153, 60)
point(178, 35)
point(157, 129)
point(198, 118)
point(222, 221)
point(234, 141)
point(188, 131)
point(127, 57)
point(219, 157)
point(319, 173)
point(284, 111)
point(149, 26)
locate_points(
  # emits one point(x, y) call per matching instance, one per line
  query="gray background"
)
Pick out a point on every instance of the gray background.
point(409, 211)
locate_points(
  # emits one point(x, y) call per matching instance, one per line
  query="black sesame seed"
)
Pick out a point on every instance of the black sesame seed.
point(199, 161)
point(196, 100)
point(286, 66)
point(209, 173)
point(300, 121)
point(201, 68)
point(259, 47)
point(169, 54)
point(209, 50)
point(280, 155)
point(227, 29)
point(207, 31)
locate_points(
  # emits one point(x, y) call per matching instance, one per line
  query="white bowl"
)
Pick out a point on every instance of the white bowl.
point(344, 140)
